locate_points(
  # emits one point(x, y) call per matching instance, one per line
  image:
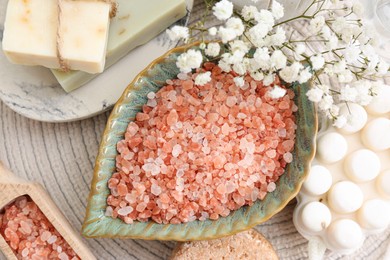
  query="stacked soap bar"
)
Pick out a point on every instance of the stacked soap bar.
point(347, 193)
point(62, 34)
point(136, 22)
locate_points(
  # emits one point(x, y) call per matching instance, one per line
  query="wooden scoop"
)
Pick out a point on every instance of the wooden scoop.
point(12, 187)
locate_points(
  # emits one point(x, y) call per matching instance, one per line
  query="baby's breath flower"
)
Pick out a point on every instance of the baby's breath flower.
point(277, 92)
point(227, 34)
point(316, 24)
point(317, 61)
point(340, 122)
point(213, 49)
point(239, 81)
point(257, 33)
point(339, 24)
point(278, 60)
point(189, 60)
point(305, 75)
point(248, 12)
point(269, 79)
point(203, 78)
point(212, 31)
point(224, 65)
point(177, 33)
point(300, 48)
point(325, 103)
point(348, 94)
point(238, 45)
point(291, 73)
point(383, 67)
point(315, 94)
point(223, 10)
point(358, 8)
point(266, 18)
point(352, 53)
point(256, 75)
point(277, 10)
point(279, 37)
point(239, 68)
point(236, 25)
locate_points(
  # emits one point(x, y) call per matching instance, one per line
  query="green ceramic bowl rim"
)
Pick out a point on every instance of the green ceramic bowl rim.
point(96, 224)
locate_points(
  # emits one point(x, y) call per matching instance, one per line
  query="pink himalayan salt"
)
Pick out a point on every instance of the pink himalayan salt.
point(30, 234)
point(202, 151)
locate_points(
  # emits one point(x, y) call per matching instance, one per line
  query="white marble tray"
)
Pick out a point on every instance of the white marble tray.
point(34, 92)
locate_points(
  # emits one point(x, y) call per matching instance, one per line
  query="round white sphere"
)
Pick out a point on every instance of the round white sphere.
point(316, 216)
point(319, 180)
point(383, 184)
point(356, 118)
point(362, 165)
point(380, 103)
point(331, 147)
point(374, 214)
point(345, 197)
point(375, 134)
point(345, 234)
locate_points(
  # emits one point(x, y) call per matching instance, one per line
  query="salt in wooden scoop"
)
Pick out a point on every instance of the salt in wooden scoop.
point(13, 188)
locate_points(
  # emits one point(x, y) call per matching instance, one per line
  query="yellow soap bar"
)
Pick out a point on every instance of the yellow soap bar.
point(30, 31)
point(57, 34)
point(136, 22)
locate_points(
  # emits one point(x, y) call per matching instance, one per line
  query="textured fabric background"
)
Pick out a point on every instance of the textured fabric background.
point(61, 157)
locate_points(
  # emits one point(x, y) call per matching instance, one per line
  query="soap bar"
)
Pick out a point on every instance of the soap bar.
point(316, 216)
point(375, 134)
point(319, 180)
point(374, 214)
point(83, 30)
point(345, 197)
point(136, 22)
point(331, 147)
point(345, 234)
point(356, 118)
point(30, 31)
point(362, 165)
point(57, 34)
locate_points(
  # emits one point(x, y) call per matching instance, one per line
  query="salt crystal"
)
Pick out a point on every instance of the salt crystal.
point(206, 150)
point(140, 207)
point(180, 173)
point(282, 132)
point(63, 256)
point(151, 95)
point(155, 190)
point(182, 76)
point(271, 187)
point(288, 157)
point(125, 211)
point(155, 170)
point(241, 116)
point(191, 156)
point(176, 150)
point(231, 101)
point(52, 239)
point(250, 147)
point(25, 252)
point(151, 103)
point(59, 249)
point(108, 213)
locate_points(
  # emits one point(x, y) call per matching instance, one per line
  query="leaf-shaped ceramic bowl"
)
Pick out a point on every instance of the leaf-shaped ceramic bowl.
point(96, 224)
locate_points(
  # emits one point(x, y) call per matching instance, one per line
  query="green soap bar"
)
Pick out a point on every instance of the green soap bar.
point(136, 22)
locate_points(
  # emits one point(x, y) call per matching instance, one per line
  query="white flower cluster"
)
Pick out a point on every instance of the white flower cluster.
point(253, 42)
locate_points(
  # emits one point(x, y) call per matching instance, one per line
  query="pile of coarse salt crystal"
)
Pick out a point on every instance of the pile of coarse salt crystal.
point(30, 234)
point(199, 152)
